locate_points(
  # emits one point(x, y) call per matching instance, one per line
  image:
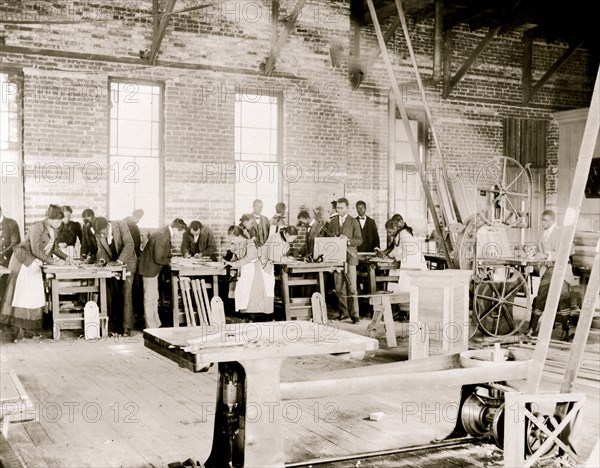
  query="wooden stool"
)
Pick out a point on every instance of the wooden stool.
point(382, 309)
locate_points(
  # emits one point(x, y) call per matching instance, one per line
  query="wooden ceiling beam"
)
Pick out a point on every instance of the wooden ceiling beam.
point(282, 38)
point(358, 73)
point(451, 82)
point(529, 89)
point(160, 28)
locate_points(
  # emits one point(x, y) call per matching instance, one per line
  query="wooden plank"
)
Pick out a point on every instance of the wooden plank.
point(399, 103)
point(183, 285)
point(586, 151)
point(555, 66)
point(281, 40)
point(205, 297)
point(469, 61)
point(217, 311)
point(202, 315)
point(159, 33)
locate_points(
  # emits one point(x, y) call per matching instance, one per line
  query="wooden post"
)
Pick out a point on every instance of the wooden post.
point(438, 37)
point(411, 139)
point(586, 151)
point(526, 78)
point(581, 335)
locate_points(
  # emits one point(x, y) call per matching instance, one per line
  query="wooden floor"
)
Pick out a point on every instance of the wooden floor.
point(113, 403)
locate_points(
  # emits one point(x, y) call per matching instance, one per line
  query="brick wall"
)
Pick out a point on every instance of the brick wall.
point(207, 55)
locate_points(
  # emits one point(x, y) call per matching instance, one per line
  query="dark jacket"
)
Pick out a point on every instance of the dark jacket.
point(89, 248)
point(156, 253)
point(134, 230)
point(260, 229)
point(369, 234)
point(309, 240)
point(33, 245)
point(206, 245)
point(69, 233)
point(123, 244)
point(10, 237)
point(351, 229)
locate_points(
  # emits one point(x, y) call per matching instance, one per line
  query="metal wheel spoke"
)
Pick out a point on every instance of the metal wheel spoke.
point(495, 289)
point(515, 179)
point(488, 298)
point(516, 194)
point(516, 288)
point(489, 311)
point(510, 319)
point(498, 322)
point(512, 206)
point(514, 304)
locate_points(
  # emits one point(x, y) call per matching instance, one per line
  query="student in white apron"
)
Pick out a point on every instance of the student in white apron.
point(255, 286)
point(25, 297)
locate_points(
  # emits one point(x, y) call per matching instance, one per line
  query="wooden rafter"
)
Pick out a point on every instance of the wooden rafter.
point(450, 82)
point(281, 40)
point(358, 73)
point(160, 28)
point(409, 133)
point(529, 89)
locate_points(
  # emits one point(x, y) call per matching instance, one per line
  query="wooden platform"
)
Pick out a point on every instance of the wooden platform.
point(115, 403)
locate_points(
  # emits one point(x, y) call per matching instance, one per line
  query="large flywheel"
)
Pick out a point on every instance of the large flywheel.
point(504, 191)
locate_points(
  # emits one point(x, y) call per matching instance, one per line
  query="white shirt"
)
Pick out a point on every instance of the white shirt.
point(1, 218)
point(362, 220)
point(342, 220)
point(109, 237)
point(170, 230)
point(548, 232)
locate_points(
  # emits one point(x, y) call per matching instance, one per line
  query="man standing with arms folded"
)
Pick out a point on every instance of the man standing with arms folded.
point(347, 228)
point(156, 254)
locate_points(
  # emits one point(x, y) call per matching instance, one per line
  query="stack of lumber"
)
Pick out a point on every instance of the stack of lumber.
point(556, 361)
point(198, 309)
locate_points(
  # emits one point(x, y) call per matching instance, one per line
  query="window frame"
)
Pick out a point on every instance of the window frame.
point(161, 141)
point(278, 95)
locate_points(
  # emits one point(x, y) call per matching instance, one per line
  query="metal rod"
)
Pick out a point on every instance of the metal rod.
point(379, 453)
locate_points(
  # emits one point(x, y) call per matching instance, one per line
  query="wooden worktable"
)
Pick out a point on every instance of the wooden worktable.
point(254, 352)
point(62, 279)
point(376, 270)
point(192, 268)
point(297, 273)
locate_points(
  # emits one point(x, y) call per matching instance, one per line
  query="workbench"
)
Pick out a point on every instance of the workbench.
point(192, 268)
point(248, 411)
point(374, 270)
point(297, 273)
point(75, 279)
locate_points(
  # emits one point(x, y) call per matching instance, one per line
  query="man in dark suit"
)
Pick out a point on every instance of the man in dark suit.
point(347, 228)
point(115, 247)
point(198, 241)
point(261, 225)
point(138, 284)
point(156, 254)
point(89, 248)
point(132, 223)
point(368, 229)
point(10, 237)
point(313, 229)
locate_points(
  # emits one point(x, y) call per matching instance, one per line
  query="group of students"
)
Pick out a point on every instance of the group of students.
point(22, 291)
point(255, 245)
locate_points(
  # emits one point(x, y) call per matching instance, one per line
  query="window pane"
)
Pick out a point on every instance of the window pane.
point(256, 140)
point(135, 151)
point(256, 145)
point(134, 134)
point(256, 115)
